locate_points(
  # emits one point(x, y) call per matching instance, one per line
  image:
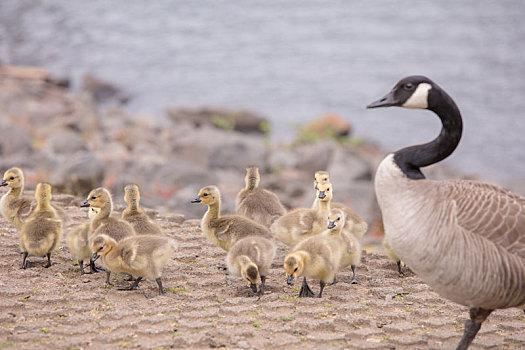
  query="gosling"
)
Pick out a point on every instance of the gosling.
point(337, 226)
point(141, 222)
point(13, 206)
point(303, 223)
point(251, 258)
point(103, 223)
point(317, 257)
point(141, 256)
point(78, 242)
point(258, 204)
point(41, 233)
point(359, 226)
point(225, 230)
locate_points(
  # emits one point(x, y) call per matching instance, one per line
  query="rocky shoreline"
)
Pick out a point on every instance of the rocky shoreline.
point(78, 140)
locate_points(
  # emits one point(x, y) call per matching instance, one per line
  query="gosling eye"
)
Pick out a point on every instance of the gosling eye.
point(408, 86)
point(102, 247)
point(93, 197)
point(338, 219)
point(325, 179)
point(295, 270)
point(205, 194)
point(327, 190)
point(12, 178)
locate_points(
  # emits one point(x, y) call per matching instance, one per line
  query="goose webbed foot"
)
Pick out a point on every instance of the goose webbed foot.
point(261, 287)
point(48, 261)
point(305, 291)
point(472, 326)
point(354, 278)
point(26, 264)
point(93, 268)
point(134, 285)
point(108, 275)
point(334, 282)
point(129, 278)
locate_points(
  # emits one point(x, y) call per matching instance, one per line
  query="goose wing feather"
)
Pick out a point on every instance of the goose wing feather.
point(489, 211)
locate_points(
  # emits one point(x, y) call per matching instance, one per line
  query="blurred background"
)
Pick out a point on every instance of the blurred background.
point(175, 95)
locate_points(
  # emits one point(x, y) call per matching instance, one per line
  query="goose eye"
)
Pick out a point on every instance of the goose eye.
point(409, 86)
point(11, 178)
point(93, 197)
point(295, 270)
point(338, 219)
point(102, 247)
point(205, 194)
point(327, 190)
point(326, 179)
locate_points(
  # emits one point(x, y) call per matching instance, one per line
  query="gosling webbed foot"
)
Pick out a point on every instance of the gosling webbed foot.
point(161, 288)
point(354, 278)
point(129, 278)
point(26, 264)
point(133, 286)
point(261, 288)
point(305, 291)
point(399, 270)
point(93, 268)
point(334, 282)
point(321, 284)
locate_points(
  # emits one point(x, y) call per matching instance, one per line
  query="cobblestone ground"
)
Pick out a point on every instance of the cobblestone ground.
point(204, 308)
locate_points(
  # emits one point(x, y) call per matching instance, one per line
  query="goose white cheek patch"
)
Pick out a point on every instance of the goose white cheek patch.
point(419, 98)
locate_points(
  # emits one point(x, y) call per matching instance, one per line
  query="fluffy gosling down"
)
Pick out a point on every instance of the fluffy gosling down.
point(225, 230)
point(140, 256)
point(258, 204)
point(317, 257)
point(77, 240)
point(103, 223)
point(41, 233)
point(251, 258)
point(303, 222)
point(358, 225)
point(13, 206)
point(141, 222)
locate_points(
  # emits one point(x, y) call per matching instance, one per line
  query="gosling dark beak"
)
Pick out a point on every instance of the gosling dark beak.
point(95, 257)
point(253, 286)
point(85, 204)
point(289, 280)
point(3, 183)
point(387, 101)
point(331, 225)
point(196, 200)
point(322, 195)
point(316, 187)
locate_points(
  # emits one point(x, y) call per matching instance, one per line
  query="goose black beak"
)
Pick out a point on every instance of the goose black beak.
point(196, 200)
point(85, 204)
point(387, 101)
point(253, 286)
point(95, 257)
point(322, 195)
point(331, 225)
point(316, 187)
point(289, 280)
point(3, 183)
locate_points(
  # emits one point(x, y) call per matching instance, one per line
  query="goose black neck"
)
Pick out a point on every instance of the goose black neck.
point(411, 159)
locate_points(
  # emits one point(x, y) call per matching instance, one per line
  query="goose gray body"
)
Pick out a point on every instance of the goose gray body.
point(470, 246)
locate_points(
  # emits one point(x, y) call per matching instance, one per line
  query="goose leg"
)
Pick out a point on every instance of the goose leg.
point(134, 285)
point(334, 282)
point(48, 260)
point(305, 290)
point(472, 326)
point(321, 284)
point(93, 268)
point(354, 279)
point(25, 264)
point(81, 265)
point(401, 273)
point(108, 282)
point(261, 288)
point(161, 289)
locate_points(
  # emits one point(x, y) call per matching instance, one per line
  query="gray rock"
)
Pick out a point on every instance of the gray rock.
point(14, 139)
point(314, 156)
point(64, 142)
point(79, 175)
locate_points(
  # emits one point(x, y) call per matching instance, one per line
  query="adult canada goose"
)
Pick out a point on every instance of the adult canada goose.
point(465, 239)
point(41, 233)
point(141, 222)
point(358, 225)
point(258, 204)
point(225, 230)
point(302, 223)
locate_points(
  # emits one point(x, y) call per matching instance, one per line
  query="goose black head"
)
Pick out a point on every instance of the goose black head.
point(410, 92)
